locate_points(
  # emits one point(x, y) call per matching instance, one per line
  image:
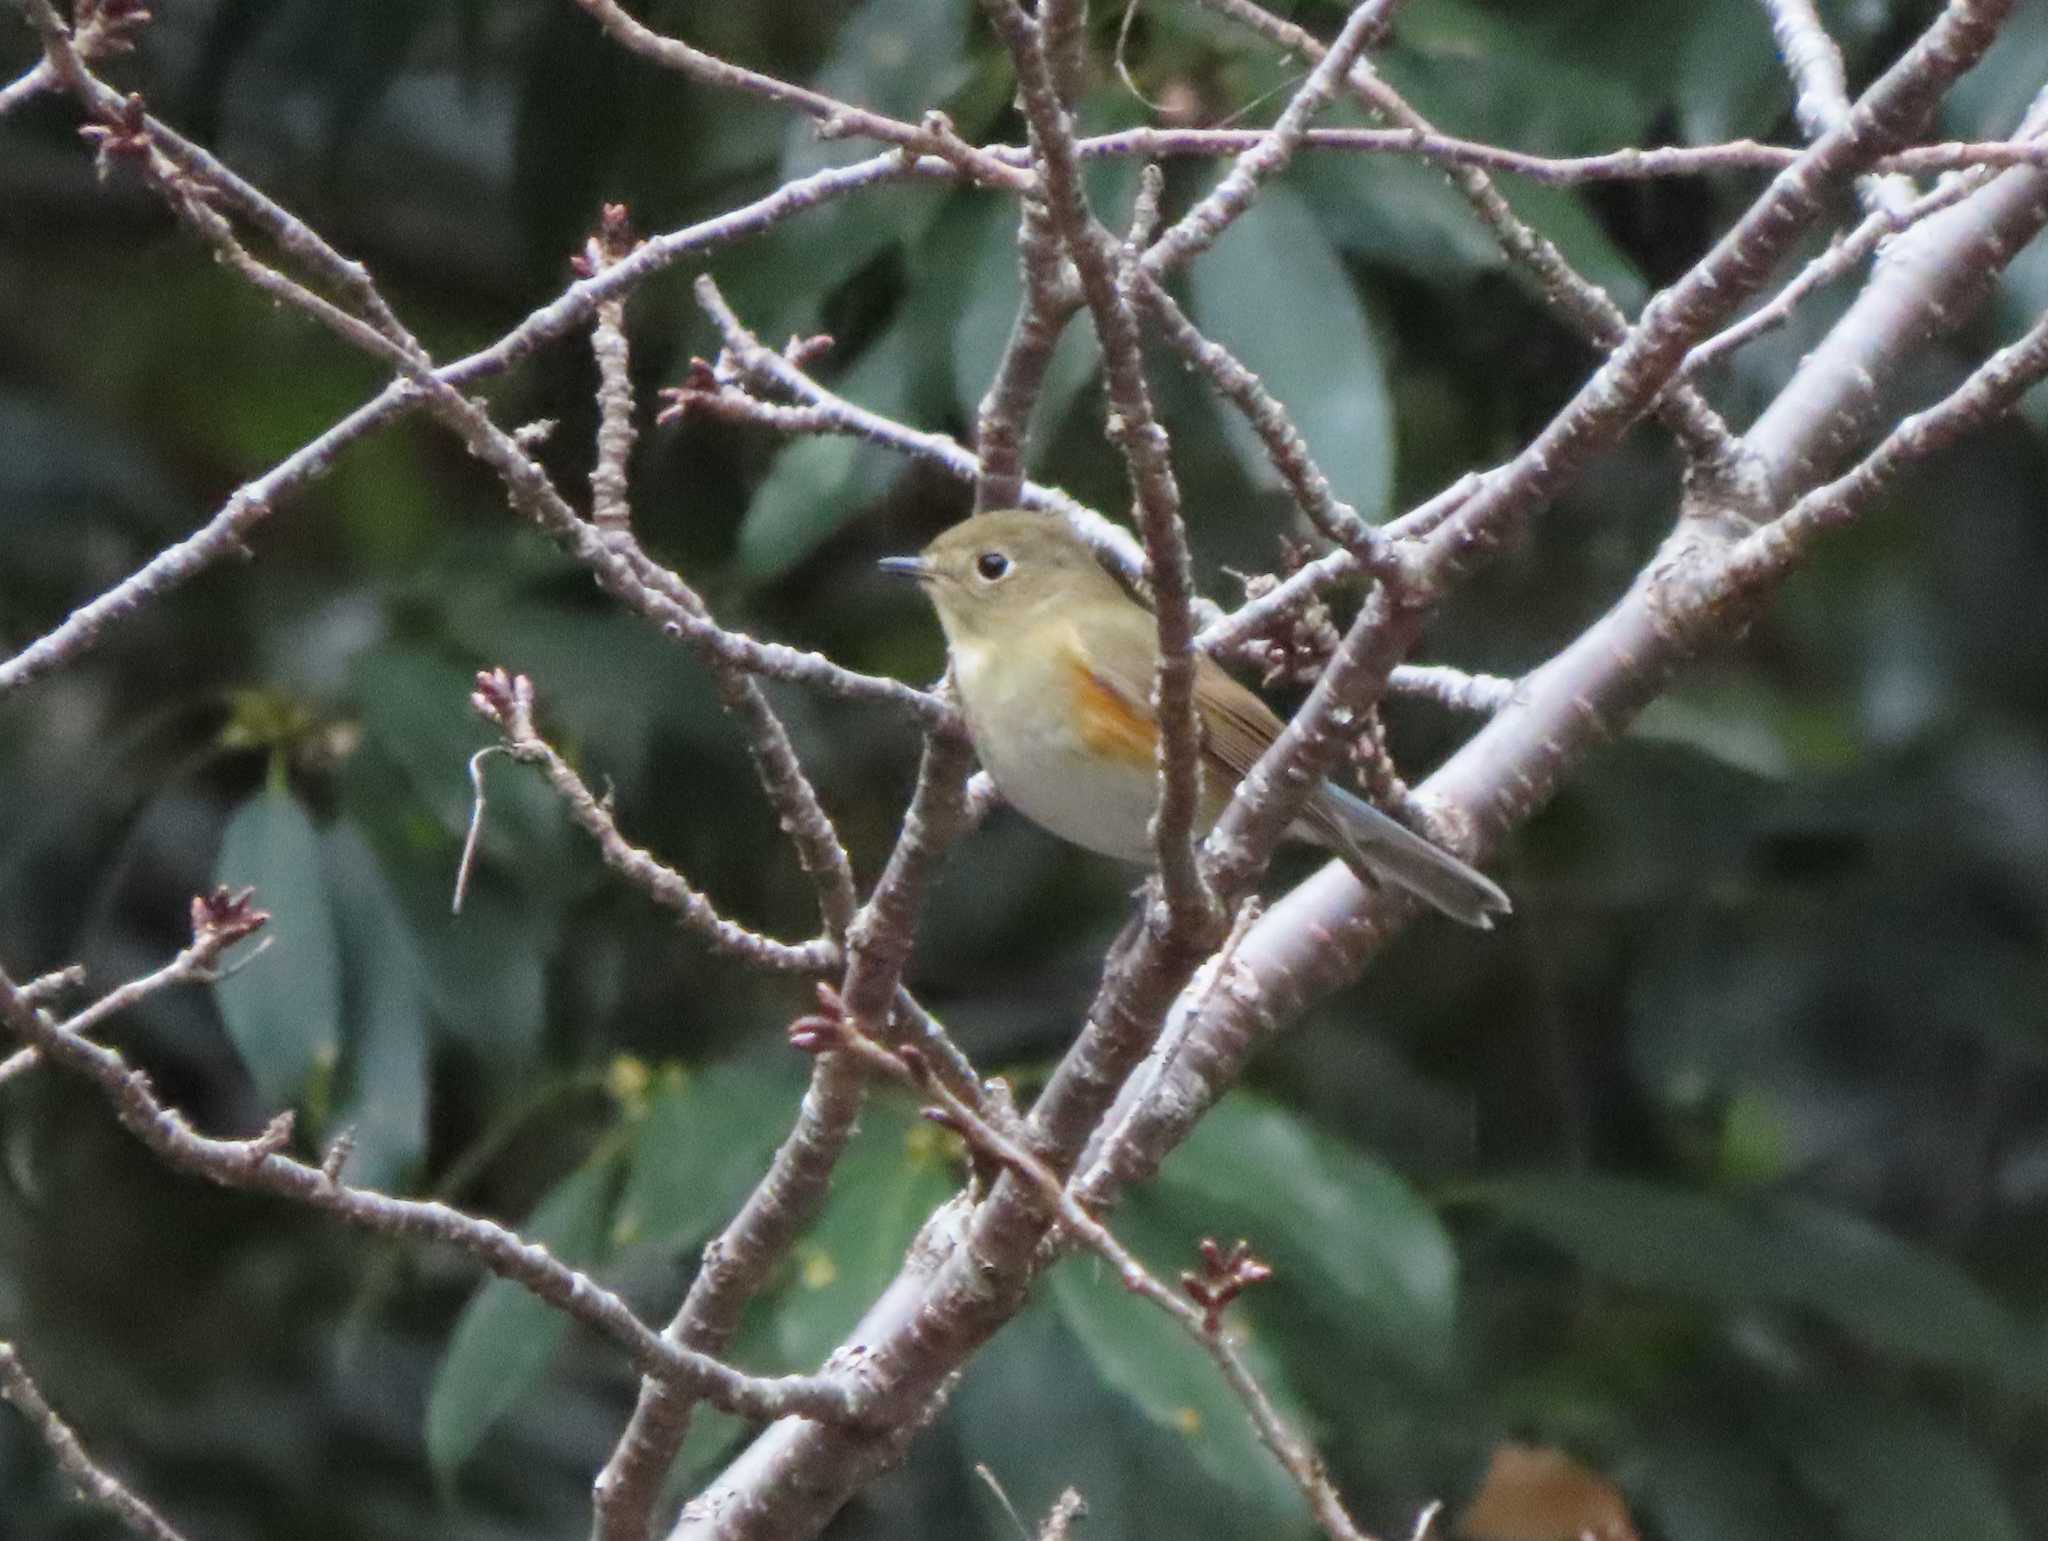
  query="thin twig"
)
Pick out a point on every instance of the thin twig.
point(1198, 229)
point(1296, 1457)
point(1285, 447)
point(1584, 305)
point(1453, 689)
point(836, 119)
point(1841, 258)
point(610, 505)
point(617, 563)
point(1104, 268)
point(1627, 165)
point(93, 1482)
point(26, 87)
point(1821, 92)
point(507, 701)
point(1299, 589)
point(226, 533)
point(260, 1165)
point(763, 367)
point(1050, 300)
point(1993, 389)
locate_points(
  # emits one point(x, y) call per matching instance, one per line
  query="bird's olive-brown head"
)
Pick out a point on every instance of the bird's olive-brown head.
point(995, 574)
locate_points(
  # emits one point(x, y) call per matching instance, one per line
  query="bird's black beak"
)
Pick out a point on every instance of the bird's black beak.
point(906, 567)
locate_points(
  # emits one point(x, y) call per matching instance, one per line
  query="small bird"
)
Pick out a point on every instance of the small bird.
point(1054, 664)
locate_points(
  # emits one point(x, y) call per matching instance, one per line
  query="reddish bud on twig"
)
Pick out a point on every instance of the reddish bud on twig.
point(945, 1118)
point(1226, 1274)
point(123, 134)
point(225, 916)
point(823, 1030)
point(502, 697)
point(612, 240)
point(700, 382)
point(615, 230)
point(914, 1061)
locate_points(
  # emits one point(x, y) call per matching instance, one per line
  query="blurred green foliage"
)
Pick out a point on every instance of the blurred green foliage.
point(1723, 1166)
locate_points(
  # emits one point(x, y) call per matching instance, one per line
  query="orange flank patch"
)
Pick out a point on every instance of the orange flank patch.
point(1108, 724)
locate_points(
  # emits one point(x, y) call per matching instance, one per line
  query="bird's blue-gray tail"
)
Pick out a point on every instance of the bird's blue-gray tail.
point(1381, 849)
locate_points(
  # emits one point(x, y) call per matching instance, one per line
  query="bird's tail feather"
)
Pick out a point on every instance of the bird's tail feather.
point(1381, 849)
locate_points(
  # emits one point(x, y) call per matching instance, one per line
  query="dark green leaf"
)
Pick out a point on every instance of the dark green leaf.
point(705, 1141)
point(1865, 1282)
point(1893, 1473)
point(384, 990)
point(1275, 294)
point(1494, 74)
point(1399, 212)
point(283, 1010)
point(506, 1335)
point(1705, 1482)
point(1729, 79)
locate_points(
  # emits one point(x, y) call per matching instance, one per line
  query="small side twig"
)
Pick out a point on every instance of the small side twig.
point(506, 700)
point(836, 119)
point(610, 508)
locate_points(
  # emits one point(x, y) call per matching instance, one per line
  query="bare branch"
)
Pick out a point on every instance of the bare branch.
point(836, 119)
point(764, 368)
point(1198, 229)
point(1322, 932)
point(1304, 587)
point(1105, 276)
point(183, 969)
point(259, 1165)
point(25, 88)
point(507, 701)
point(93, 1482)
point(1285, 448)
point(737, 1265)
point(1993, 389)
point(1059, 1520)
point(226, 533)
point(1841, 258)
point(1583, 304)
point(1822, 92)
point(1051, 298)
point(1633, 164)
point(610, 507)
point(1452, 689)
point(1201, 1320)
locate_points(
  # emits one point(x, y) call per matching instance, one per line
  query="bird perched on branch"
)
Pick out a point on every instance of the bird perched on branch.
point(1054, 663)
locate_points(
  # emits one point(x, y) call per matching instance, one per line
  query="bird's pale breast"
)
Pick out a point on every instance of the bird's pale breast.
point(1066, 750)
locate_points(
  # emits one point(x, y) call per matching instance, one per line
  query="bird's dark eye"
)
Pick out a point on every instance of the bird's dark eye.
point(992, 565)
